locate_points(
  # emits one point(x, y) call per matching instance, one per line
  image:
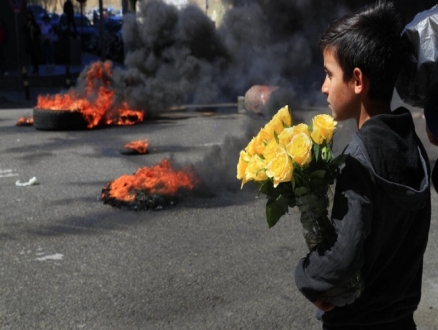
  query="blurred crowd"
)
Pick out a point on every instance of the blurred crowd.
point(43, 29)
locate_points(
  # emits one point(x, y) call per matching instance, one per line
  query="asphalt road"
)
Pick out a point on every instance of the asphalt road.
point(69, 261)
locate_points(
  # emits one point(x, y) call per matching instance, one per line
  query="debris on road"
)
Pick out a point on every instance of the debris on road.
point(32, 182)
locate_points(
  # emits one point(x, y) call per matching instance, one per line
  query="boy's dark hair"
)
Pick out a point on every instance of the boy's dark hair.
point(370, 40)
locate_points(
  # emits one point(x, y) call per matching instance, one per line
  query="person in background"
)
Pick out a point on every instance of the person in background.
point(32, 34)
point(95, 18)
point(70, 15)
point(382, 203)
point(47, 36)
point(3, 45)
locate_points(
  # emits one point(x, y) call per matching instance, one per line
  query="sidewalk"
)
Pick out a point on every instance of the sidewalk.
point(49, 81)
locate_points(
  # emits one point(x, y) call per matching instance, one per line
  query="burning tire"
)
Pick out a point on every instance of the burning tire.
point(139, 147)
point(58, 120)
point(150, 188)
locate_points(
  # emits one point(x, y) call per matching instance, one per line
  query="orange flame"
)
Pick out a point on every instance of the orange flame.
point(25, 121)
point(141, 146)
point(97, 104)
point(159, 179)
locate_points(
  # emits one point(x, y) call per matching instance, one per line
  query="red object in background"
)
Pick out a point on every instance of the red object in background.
point(257, 97)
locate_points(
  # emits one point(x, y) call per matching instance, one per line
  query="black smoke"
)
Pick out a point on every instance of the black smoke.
point(178, 56)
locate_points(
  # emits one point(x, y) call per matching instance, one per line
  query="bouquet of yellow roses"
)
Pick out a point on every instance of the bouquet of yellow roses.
point(293, 165)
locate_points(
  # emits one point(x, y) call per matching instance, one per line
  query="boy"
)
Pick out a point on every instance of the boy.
point(381, 208)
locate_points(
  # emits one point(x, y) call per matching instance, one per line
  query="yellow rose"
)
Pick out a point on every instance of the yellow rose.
point(301, 128)
point(253, 147)
point(270, 150)
point(288, 133)
point(280, 168)
point(266, 134)
point(275, 124)
point(286, 136)
point(323, 128)
point(300, 149)
point(284, 116)
point(256, 169)
point(250, 148)
point(244, 159)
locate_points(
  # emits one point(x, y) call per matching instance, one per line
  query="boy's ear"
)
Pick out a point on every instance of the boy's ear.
point(360, 81)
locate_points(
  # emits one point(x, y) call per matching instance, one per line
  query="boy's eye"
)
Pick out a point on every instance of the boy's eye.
point(328, 74)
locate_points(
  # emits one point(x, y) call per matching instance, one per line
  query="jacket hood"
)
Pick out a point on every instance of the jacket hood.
point(393, 152)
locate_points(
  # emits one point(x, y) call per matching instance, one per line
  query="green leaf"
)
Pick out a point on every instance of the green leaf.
point(275, 209)
point(318, 174)
point(301, 191)
point(316, 151)
point(267, 187)
point(264, 186)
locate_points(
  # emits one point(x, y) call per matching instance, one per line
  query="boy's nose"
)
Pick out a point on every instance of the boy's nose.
point(324, 88)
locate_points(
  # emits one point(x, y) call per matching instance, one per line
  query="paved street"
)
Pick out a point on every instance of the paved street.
point(68, 261)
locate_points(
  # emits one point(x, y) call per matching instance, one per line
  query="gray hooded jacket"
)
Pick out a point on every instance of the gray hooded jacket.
point(381, 213)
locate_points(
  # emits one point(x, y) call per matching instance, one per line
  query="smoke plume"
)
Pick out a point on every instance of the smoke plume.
point(179, 56)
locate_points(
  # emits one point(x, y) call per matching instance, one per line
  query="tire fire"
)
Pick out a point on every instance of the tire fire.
point(136, 147)
point(25, 121)
point(150, 187)
point(96, 103)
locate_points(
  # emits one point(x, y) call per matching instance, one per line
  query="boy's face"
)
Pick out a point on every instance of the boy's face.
point(340, 94)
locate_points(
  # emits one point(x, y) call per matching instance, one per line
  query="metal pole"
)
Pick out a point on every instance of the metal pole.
point(82, 18)
point(17, 39)
point(128, 6)
point(124, 6)
point(67, 76)
point(102, 39)
point(25, 83)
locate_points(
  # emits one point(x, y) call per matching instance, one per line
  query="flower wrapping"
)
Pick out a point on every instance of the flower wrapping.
point(293, 165)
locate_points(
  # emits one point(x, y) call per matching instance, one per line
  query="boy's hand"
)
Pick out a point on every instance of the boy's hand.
point(323, 303)
point(430, 136)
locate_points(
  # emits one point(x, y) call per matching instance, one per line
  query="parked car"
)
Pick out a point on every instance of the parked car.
point(37, 10)
point(84, 30)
